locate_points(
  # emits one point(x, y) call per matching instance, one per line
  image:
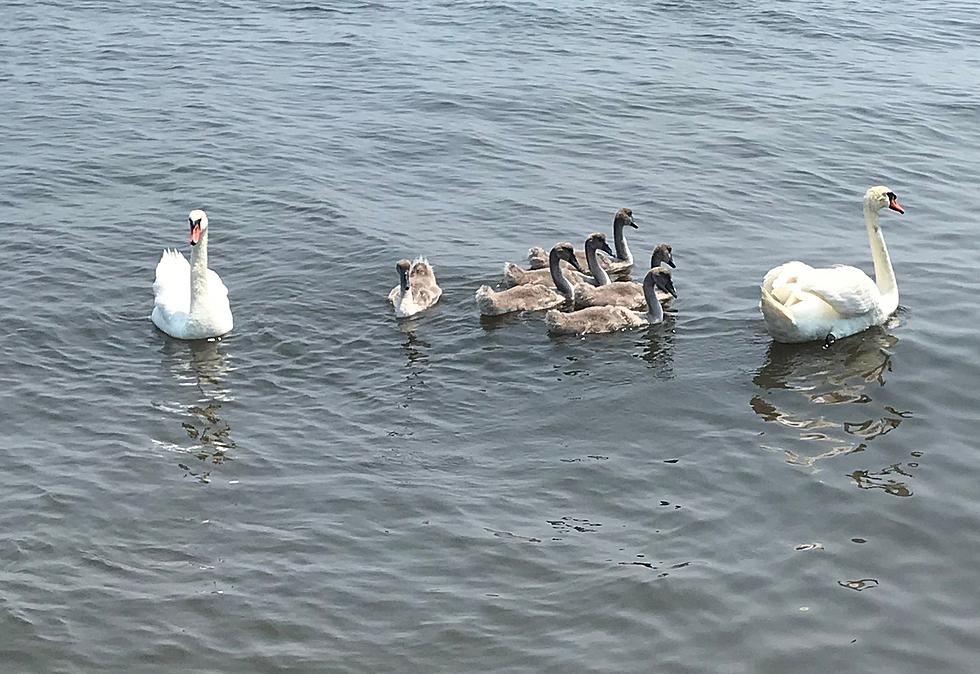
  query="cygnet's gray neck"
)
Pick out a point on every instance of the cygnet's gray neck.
point(622, 250)
point(598, 273)
point(655, 312)
point(562, 283)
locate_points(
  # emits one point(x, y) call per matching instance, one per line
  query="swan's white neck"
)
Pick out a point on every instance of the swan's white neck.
point(655, 312)
point(562, 283)
point(622, 250)
point(598, 273)
point(199, 270)
point(884, 273)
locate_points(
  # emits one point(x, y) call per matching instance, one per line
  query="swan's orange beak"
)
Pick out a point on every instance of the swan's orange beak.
point(894, 205)
point(195, 232)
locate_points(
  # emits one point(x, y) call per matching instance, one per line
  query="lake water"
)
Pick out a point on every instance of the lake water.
point(329, 489)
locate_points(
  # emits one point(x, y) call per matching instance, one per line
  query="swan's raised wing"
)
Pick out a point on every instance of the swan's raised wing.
point(423, 282)
point(172, 286)
point(848, 290)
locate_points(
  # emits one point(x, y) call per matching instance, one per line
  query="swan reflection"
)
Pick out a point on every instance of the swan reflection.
point(656, 345)
point(204, 367)
point(818, 393)
point(415, 348)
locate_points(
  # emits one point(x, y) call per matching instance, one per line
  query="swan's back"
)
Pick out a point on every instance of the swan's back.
point(593, 320)
point(620, 294)
point(528, 297)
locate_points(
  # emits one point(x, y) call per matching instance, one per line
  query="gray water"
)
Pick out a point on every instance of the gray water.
point(328, 489)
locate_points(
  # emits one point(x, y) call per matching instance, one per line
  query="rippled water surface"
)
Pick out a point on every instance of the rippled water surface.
point(327, 489)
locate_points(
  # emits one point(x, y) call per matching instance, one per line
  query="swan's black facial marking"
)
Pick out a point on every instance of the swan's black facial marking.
point(893, 203)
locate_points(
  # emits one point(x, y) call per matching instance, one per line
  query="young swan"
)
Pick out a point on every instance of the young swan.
point(622, 293)
point(416, 290)
point(532, 296)
point(515, 276)
point(610, 319)
point(537, 257)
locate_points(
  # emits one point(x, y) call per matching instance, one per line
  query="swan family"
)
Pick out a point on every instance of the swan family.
point(799, 303)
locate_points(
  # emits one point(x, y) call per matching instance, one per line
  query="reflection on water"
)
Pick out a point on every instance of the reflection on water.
point(656, 345)
point(811, 390)
point(415, 348)
point(204, 366)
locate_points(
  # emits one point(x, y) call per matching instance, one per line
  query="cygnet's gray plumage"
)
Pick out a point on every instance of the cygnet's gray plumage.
point(532, 296)
point(628, 294)
point(609, 319)
point(515, 276)
point(417, 289)
point(622, 262)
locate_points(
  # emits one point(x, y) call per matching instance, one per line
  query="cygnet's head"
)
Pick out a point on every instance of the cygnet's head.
point(566, 252)
point(624, 216)
point(660, 277)
point(880, 196)
point(597, 241)
point(199, 224)
point(663, 253)
point(403, 266)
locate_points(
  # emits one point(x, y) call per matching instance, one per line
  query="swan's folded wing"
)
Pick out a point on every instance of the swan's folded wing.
point(848, 290)
point(172, 286)
point(216, 287)
point(784, 273)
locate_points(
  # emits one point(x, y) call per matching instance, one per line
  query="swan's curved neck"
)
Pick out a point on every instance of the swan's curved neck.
point(655, 312)
point(622, 250)
point(884, 273)
point(199, 270)
point(598, 273)
point(562, 283)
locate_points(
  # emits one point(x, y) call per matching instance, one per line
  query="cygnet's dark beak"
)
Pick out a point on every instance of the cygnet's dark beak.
point(670, 261)
point(632, 223)
point(573, 260)
point(605, 247)
point(666, 284)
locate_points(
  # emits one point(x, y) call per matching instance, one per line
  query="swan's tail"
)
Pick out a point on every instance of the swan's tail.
point(485, 300)
point(774, 312)
point(537, 258)
point(554, 319)
point(513, 275)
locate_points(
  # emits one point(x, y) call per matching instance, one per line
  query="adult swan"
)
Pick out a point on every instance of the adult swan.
point(803, 304)
point(190, 301)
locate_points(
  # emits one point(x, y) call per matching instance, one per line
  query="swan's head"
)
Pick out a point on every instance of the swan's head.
point(878, 197)
point(597, 241)
point(663, 253)
point(565, 251)
point(198, 220)
point(403, 266)
point(624, 216)
point(660, 278)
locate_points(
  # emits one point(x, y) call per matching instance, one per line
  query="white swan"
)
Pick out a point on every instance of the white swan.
point(416, 290)
point(628, 294)
point(189, 300)
point(802, 304)
point(610, 319)
point(538, 258)
point(532, 296)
